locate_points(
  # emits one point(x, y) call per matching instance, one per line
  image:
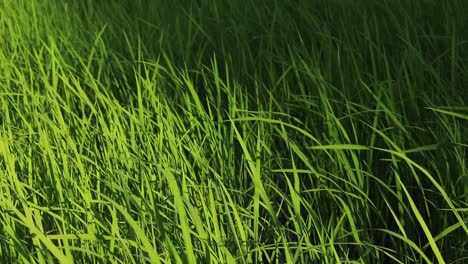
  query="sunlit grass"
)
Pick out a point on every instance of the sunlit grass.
point(234, 132)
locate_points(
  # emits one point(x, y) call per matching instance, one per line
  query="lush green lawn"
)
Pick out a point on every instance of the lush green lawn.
point(233, 131)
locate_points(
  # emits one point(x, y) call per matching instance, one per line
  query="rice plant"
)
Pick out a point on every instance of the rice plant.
point(233, 131)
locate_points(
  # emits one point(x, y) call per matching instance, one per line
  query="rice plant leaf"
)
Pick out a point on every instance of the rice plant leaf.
point(451, 113)
point(340, 147)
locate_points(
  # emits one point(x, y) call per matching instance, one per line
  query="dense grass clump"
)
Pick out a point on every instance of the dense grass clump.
point(233, 131)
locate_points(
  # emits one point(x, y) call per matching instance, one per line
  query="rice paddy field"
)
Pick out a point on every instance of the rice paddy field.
point(248, 131)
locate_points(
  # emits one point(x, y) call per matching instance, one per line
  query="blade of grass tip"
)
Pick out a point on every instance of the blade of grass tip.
point(423, 148)
point(455, 114)
point(153, 255)
point(193, 92)
point(97, 39)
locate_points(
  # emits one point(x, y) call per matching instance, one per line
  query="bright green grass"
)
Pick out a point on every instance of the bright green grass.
point(233, 131)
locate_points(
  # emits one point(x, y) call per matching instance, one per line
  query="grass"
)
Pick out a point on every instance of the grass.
point(233, 132)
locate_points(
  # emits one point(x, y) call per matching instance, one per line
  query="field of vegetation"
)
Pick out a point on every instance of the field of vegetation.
point(250, 131)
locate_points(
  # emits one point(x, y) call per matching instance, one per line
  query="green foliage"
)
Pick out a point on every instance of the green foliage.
point(233, 131)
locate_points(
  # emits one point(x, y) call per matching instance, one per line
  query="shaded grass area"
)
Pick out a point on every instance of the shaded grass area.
point(235, 132)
